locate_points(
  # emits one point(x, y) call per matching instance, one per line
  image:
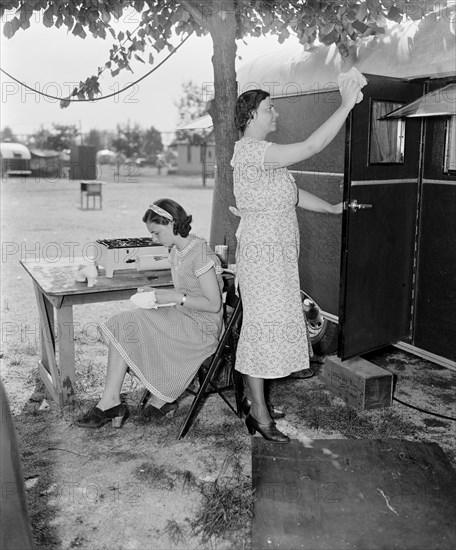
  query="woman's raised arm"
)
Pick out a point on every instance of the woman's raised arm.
point(278, 156)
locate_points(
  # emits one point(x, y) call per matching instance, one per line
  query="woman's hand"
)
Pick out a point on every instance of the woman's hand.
point(166, 296)
point(337, 208)
point(349, 91)
point(210, 300)
point(311, 202)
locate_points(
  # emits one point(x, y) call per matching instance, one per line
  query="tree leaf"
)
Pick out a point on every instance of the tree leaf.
point(330, 38)
point(394, 15)
point(25, 24)
point(48, 17)
point(8, 30)
point(359, 26)
point(362, 11)
point(79, 31)
point(64, 103)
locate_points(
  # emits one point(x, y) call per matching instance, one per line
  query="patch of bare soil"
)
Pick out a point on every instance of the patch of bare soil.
point(139, 487)
point(135, 487)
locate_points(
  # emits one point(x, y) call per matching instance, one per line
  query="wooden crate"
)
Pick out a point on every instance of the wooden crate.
point(359, 383)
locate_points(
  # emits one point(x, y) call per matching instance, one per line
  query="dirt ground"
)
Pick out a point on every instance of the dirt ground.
point(138, 487)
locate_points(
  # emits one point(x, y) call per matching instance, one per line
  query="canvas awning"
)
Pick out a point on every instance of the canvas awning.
point(202, 123)
point(441, 102)
point(413, 49)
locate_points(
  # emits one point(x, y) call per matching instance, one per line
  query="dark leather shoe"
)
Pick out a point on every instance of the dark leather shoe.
point(96, 418)
point(168, 410)
point(268, 431)
point(303, 374)
point(274, 413)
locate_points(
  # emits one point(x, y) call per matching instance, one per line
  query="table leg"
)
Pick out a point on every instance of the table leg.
point(66, 350)
point(47, 367)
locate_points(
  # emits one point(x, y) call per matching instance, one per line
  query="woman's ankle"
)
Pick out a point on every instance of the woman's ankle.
point(260, 414)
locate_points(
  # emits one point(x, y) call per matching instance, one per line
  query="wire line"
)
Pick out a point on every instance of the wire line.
point(424, 410)
point(104, 96)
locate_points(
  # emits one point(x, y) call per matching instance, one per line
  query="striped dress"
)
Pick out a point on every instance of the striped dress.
point(165, 347)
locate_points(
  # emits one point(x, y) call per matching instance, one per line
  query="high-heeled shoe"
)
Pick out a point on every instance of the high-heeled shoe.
point(274, 413)
point(96, 418)
point(168, 410)
point(268, 431)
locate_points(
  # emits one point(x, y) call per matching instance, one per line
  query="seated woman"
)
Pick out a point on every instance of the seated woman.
point(164, 347)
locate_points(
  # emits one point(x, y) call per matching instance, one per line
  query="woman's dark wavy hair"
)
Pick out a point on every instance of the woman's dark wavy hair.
point(181, 220)
point(246, 106)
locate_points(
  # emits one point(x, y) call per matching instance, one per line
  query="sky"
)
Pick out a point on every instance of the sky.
point(52, 60)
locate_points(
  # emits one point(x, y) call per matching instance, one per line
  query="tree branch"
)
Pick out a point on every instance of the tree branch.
point(196, 14)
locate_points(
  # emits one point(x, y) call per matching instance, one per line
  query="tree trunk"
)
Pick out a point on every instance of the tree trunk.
point(223, 31)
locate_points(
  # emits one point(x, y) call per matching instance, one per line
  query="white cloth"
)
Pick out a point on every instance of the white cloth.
point(355, 75)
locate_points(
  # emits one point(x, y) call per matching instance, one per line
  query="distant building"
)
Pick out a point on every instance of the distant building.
point(196, 159)
point(46, 163)
point(15, 159)
point(106, 156)
point(197, 156)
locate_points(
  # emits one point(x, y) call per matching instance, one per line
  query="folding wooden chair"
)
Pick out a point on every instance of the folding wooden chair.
point(207, 373)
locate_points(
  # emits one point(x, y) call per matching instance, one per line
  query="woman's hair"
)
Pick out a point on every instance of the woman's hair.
point(181, 221)
point(246, 105)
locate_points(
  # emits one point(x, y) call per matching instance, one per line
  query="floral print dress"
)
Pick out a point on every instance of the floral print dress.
point(273, 342)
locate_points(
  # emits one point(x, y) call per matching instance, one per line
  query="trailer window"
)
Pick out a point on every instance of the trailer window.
point(387, 137)
point(450, 146)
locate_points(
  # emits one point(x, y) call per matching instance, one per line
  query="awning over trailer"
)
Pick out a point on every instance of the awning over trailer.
point(201, 123)
point(414, 49)
point(441, 102)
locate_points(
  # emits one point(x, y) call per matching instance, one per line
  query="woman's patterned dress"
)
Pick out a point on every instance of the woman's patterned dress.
point(273, 341)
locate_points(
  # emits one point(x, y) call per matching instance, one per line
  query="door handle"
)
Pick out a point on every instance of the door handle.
point(355, 206)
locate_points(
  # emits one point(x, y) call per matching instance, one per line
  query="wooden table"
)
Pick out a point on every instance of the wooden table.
point(56, 293)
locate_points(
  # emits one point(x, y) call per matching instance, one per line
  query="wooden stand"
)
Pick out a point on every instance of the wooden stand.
point(91, 189)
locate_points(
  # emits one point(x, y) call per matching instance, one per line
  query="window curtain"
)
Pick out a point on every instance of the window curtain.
point(385, 142)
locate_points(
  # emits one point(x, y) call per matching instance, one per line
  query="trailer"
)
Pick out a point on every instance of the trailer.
point(14, 159)
point(385, 270)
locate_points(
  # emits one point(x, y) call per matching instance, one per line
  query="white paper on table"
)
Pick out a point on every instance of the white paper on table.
point(148, 300)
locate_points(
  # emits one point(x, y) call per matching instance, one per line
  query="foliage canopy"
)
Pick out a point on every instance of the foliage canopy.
point(339, 22)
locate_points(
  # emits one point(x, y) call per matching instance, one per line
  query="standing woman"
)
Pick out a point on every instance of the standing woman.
point(273, 341)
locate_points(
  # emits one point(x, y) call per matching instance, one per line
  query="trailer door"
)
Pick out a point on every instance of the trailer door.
point(381, 178)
